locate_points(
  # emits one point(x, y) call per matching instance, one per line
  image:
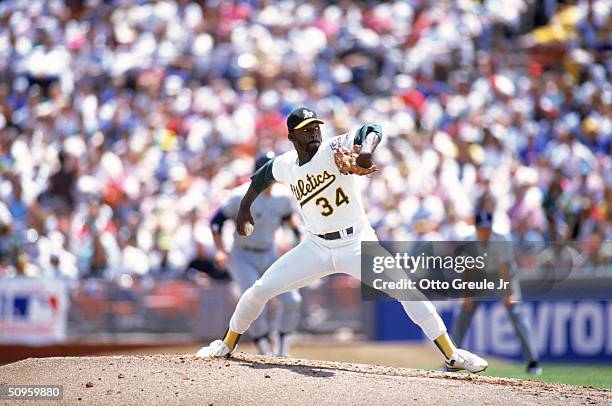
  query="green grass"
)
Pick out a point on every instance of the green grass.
point(597, 376)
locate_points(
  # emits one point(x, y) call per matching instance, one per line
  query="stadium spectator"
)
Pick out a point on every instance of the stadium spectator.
point(203, 262)
point(158, 108)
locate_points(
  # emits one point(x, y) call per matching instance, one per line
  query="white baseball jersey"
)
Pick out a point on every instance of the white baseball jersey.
point(328, 199)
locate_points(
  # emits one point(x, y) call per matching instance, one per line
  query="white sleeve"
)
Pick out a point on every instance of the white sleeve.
point(345, 140)
point(280, 169)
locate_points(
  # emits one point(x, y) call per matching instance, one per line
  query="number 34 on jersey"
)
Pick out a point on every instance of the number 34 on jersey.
point(328, 209)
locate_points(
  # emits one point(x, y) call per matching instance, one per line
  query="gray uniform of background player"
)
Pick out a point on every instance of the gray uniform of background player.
point(515, 312)
point(251, 256)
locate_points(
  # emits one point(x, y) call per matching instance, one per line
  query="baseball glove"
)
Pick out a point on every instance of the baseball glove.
point(346, 161)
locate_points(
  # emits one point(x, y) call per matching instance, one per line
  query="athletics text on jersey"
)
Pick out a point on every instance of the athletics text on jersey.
point(328, 199)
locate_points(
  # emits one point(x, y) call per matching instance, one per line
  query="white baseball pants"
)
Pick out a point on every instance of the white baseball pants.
point(315, 258)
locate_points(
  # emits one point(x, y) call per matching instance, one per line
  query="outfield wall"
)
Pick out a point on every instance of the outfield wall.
point(564, 330)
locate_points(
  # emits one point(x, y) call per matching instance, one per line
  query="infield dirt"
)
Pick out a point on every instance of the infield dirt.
point(252, 379)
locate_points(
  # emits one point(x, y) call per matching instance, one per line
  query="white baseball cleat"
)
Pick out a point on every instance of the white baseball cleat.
point(216, 349)
point(463, 359)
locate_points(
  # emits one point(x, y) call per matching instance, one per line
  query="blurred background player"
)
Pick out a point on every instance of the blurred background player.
point(507, 270)
point(251, 256)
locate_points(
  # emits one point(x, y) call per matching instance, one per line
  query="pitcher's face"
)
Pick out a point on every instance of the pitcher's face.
point(308, 138)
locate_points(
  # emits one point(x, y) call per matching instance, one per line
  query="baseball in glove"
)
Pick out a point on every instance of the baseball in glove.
point(346, 161)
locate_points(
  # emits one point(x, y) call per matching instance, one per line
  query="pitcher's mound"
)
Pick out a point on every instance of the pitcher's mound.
point(250, 379)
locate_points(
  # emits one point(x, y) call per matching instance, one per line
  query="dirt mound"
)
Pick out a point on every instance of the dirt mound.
point(252, 379)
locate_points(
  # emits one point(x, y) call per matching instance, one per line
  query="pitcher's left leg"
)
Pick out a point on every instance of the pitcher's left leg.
point(422, 312)
point(348, 260)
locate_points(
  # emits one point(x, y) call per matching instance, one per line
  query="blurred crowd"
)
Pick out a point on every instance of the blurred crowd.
point(124, 124)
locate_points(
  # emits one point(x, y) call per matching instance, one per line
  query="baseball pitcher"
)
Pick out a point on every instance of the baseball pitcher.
point(320, 176)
